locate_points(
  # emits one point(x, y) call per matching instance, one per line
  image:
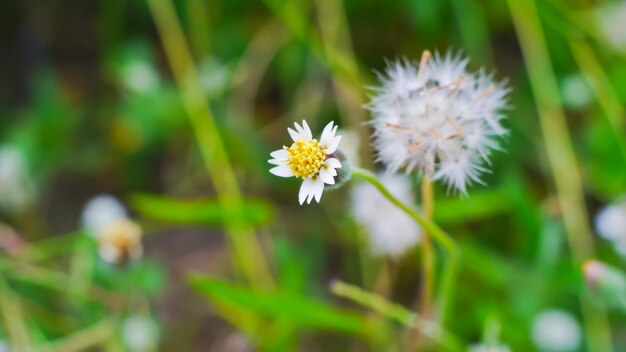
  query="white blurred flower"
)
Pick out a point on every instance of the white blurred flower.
point(611, 18)
point(391, 231)
point(438, 118)
point(140, 333)
point(100, 212)
point(489, 348)
point(15, 183)
point(119, 238)
point(556, 330)
point(4, 346)
point(313, 161)
point(214, 75)
point(610, 223)
point(576, 92)
point(350, 145)
point(140, 77)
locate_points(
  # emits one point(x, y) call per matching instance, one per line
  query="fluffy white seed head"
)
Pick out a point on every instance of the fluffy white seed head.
point(437, 118)
point(390, 231)
point(556, 330)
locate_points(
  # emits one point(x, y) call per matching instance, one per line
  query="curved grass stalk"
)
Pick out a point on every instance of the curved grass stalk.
point(246, 248)
point(437, 234)
point(377, 303)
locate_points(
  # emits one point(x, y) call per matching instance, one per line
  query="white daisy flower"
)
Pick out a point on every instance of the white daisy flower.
point(610, 223)
point(313, 161)
point(119, 238)
point(437, 118)
point(556, 330)
point(390, 230)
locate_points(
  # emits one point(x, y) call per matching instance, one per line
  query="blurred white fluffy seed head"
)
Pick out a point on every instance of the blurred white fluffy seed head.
point(556, 330)
point(610, 223)
point(437, 118)
point(15, 182)
point(106, 219)
point(390, 231)
point(140, 333)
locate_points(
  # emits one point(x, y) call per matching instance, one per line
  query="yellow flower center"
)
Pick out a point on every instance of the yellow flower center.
point(306, 158)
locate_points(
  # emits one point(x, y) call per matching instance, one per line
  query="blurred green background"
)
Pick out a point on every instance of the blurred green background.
point(173, 107)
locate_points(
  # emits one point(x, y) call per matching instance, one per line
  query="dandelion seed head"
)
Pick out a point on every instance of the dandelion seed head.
point(437, 118)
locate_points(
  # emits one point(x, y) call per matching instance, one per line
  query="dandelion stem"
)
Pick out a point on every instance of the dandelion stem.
point(424, 300)
point(431, 230)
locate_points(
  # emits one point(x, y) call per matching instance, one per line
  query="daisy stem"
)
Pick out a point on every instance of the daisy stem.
point(431, 230)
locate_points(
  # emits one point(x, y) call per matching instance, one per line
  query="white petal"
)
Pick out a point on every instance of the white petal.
point(333, 145)
point(293, 134)
point(318, 189)
point(280, 154)
point(276, 162)
point(299, 129)
point(282, 171)
point(305, 190)
point(327, 135)
point(332, 163)
point(326, 175)
point(307, 131)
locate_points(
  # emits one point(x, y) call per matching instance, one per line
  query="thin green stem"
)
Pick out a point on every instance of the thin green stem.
point(81, 340)
point(430, 229)
point(428, 205)
point(422, 325)
point(14, 318)
point(561, 157)
point(600, 84)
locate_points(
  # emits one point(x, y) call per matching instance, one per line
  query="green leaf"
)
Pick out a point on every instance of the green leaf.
point(482, 204)
point(304, 312)
point(206, 211)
